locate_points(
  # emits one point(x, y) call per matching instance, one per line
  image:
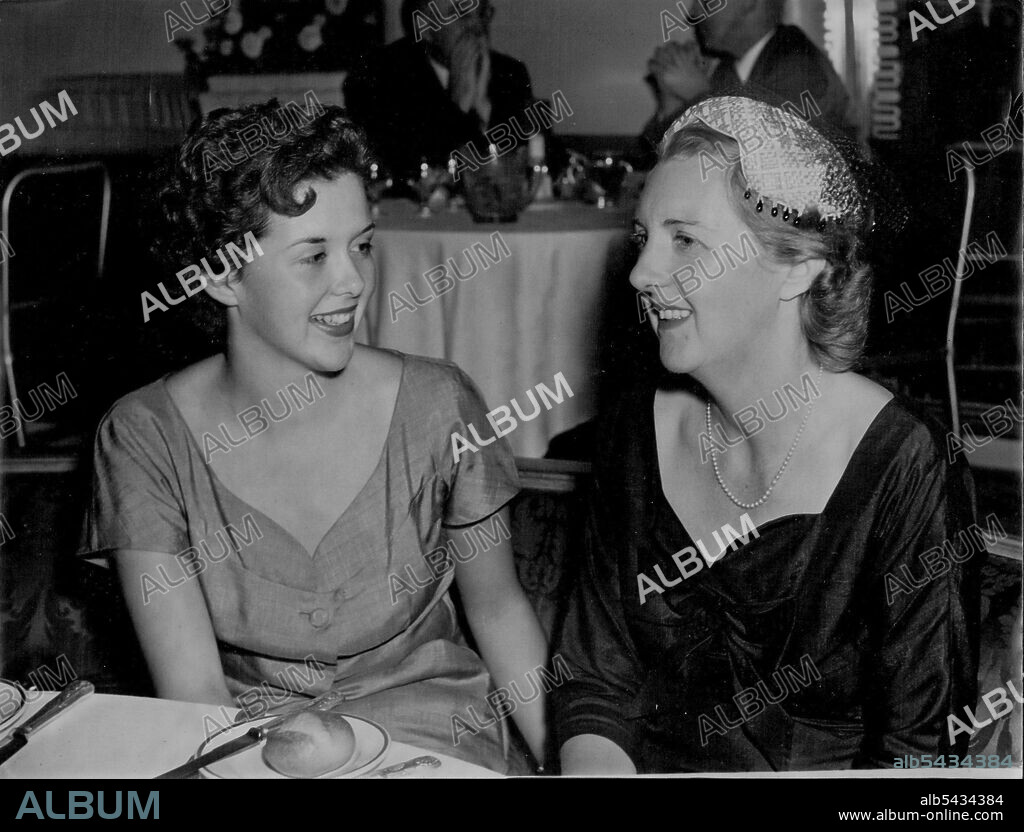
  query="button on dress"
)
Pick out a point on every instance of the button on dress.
point(290, 624)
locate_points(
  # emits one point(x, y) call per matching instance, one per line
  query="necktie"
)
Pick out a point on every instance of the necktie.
point(724, 79)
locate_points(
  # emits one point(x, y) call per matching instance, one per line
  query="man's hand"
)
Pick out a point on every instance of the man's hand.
point(471, 75)
point(680, 74)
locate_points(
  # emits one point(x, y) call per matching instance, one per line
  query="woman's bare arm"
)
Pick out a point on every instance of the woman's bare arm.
point(506, 629)
point(174, 630)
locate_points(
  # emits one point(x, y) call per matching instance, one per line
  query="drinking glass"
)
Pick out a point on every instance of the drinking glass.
point(608, 171)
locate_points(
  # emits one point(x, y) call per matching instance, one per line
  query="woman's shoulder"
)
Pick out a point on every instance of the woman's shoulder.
point(141, 408)
point(140, 426)
point(433, 394)
point(428, 379)
point(907, 449)
point(623, 431)
point(193, 382)
point(627, 412)
point(150, 412)
point(910, 432)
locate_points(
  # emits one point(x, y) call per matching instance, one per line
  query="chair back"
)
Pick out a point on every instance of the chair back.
point(53, 238)
point(547, 520)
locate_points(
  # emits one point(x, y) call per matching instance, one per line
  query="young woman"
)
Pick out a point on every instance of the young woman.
point(744, 601)
point(287, 516)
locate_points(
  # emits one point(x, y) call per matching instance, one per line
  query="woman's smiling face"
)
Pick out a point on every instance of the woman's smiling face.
point(305, 297)
point(721, 316)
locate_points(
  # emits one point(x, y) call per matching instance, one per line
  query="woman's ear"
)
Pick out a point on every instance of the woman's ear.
point(222, 289)
point(800, 277)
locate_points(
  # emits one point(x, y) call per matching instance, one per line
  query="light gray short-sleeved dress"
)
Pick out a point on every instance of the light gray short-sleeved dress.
point(290, 626)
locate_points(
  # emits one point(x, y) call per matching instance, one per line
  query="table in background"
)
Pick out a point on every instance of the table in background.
point(131, 737)
point(516, 324)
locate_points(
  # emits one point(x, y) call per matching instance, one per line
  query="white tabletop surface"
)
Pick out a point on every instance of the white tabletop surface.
point(130, 737)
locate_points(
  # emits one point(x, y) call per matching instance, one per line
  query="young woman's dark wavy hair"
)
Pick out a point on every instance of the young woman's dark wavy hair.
point(216, 189)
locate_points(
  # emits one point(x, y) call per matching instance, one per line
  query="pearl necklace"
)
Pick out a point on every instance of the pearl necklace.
point(782, 468)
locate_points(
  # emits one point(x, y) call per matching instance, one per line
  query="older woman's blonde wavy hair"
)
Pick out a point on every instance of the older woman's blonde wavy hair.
point(834, 311)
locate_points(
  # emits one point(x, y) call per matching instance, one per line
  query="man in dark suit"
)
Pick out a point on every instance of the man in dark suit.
point(438, 88)
point(759, 56)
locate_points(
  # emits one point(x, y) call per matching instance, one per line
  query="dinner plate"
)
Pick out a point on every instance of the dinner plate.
point(12, 700)
point(372, 743)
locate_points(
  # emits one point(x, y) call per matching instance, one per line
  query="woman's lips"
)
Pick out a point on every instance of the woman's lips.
point(671, 323)
point(668, 317)
point(338, 323)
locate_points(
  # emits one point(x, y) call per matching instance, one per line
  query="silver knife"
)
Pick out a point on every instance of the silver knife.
point(18, 739)
point(254, 736)
point(431, 762)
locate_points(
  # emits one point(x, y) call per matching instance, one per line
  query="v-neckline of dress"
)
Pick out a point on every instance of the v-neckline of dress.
point(194, 446)
point(862, 448)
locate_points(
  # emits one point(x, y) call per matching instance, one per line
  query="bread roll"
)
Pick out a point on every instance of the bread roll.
point(309, 744)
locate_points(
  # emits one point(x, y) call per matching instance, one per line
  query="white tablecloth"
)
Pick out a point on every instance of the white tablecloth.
point(129, 737)
point(519, 321)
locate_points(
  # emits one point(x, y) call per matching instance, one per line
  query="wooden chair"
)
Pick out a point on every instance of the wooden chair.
point(546, 526)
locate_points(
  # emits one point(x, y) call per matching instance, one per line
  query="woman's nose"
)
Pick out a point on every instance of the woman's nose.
point(637, 279)
point(645, 273)
point(347, 279)
point(655, 279)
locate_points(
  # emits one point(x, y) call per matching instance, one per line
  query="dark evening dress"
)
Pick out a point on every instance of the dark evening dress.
point(795, 651)
point(292, 624)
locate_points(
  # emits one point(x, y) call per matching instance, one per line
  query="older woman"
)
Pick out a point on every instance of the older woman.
point(774, 575)
point(287, 516)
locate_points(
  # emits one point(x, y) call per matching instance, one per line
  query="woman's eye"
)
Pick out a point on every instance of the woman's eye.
point(685, 241)
point(638, 238)
point(366, 249)
point(313, 259)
